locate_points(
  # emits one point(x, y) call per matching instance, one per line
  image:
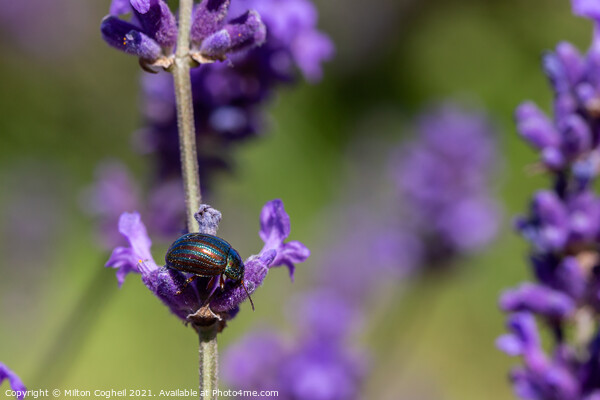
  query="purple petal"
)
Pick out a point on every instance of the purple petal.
point(537, 299)
point(524, 329)
point(209, 17)
point(555, 71)
point(586, 8)
point(157, 21)
point(595, 395)
point(584, 216)
point(254, 361)
point(585, 169)
point(137, 257)
point(572, 62)
point(549, 208)
point(562, 383)
point(165, 214)
point(324, 314)
point(553, 158)
point(524, 385)
point(168, 284)
point(471, 223)
point(124, 261)
point(535, 126)
point(256, 269)
point(577, 137)
point(310, 51)
point(570, 277)
point(274, 224)
point(15, 382)
point(510, 344)
point(127, 37)
point(119, 7)
point(322, 370)
point(113, 192)
point(289, 254)
point(216, 45)
point(242, 33)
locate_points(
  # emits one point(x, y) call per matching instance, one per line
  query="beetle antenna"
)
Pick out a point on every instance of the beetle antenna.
point(249, 298)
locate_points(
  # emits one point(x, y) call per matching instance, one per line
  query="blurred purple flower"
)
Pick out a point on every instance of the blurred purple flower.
point(324, 315)
point(168, 284)
point(443, 182)
point(39, 27)
point(368, 251)
point(15, 382)
point(113, 192)
point(293, 35)
point(563, 229)
point(308, 370)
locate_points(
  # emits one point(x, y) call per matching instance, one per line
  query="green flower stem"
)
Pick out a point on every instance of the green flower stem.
point(209, 361)
point(191, 182)
point(185, 116)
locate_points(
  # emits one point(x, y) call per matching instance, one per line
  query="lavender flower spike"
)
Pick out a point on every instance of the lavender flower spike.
point(17, 386)
point(186, 299)
point(563, 231)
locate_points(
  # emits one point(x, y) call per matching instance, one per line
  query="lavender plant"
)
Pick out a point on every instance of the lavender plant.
point(17, 386)
point(227, 97)
point(563, 230)
point(320, 361)
point(202, 35)
point(443, 182)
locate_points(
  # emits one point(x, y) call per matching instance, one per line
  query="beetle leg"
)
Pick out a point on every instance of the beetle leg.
point(222, 282)
point(187, 282)
point(211, 282)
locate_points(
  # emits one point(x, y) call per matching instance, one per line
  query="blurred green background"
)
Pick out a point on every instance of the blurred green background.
point(69, 101)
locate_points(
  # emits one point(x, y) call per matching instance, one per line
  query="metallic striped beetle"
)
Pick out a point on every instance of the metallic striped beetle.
point(206, 255)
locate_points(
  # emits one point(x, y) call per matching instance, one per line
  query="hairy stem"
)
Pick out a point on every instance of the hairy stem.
point(209, 362)
point(191, 182)
point(185, 117)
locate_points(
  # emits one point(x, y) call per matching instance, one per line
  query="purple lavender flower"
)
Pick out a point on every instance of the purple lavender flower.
point(369, 250)
point(443, 181)
point(113, 192)
point(292, 35)
point(541, 377)
point(153, 35)
point(563, 229)
point(308, 370)
point(168, 284)
point(227, 97)
point(15, 382)
point(40, 27)
point(539, 299)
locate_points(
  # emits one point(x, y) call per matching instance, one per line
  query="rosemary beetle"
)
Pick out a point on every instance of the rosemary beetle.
point(206, 255)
